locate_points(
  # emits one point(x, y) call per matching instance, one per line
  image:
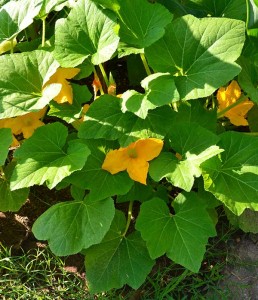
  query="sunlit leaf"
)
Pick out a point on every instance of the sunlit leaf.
point(21, 81)
point(88, 31)
point(46, 157)
point(77, 225)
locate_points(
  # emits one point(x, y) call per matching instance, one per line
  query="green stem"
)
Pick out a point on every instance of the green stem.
point(222, 113)
point(129, 217)
point(43, 31)
point(2, 175)
point(146, 66)
point(104, 74)
point(97, 77)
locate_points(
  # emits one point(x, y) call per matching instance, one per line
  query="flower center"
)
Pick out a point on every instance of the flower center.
point(132, 153)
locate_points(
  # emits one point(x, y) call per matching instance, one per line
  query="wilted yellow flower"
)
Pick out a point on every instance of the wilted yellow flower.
point(133, 158)
point(228, 96)
point(60, 76)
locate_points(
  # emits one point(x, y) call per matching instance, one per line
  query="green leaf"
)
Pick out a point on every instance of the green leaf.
point(6, 140)
point(160, 90)
point(101, 183)
point(77, 225)
point(21, 81)
point(233, 178)
point(200, 53)
point(88, 31)
point(16, 16)
point(104, 119)
point(194, 112)
point(181, 236)
point(195, 144)
point(234, 9)
point(247, 221)
point(46, 157)
point(50, 5)
point(181, 173)
point(71, 112)
point(111, 4)
point(139, 192)
point(118, 259)
point(142, 23)
point(248, 78)
point(11, 200)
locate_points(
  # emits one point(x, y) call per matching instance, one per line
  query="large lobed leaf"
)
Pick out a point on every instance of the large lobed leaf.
point(118, 259)
point(195, 145)
point(46, 157)
point(233, 178)
point(16, 16)
point(182, 236)
point(21, 81)
point(200, 53)
point(77, 225)
point(88, 31)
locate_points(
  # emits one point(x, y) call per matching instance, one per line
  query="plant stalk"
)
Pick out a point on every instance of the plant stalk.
point(129, 217)
point(145, 64)
point(43, 31)
point(104, 74)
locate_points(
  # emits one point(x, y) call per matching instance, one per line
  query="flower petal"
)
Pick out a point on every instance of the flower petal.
point(147, 149)
point(60, 76)
point(138, 170)
point(116, 161)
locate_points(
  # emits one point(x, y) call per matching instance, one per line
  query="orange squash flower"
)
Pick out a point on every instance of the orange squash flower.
point(60, 76)
point(228, 96)
point(133, 158)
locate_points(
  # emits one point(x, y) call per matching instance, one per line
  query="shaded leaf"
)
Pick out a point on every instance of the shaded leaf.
point(6, 140)
point(118, 259)
point(233, 178)
point(11, 200)
point(182, 236)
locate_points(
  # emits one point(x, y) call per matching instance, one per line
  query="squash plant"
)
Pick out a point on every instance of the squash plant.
point(170, 148)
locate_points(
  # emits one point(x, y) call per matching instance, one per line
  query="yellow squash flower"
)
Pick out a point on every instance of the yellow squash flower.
point(227, 97)
point(60, 76)
point(25, 124)
point(133, 158)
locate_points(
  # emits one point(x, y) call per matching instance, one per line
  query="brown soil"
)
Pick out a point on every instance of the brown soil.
point(15, 228)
